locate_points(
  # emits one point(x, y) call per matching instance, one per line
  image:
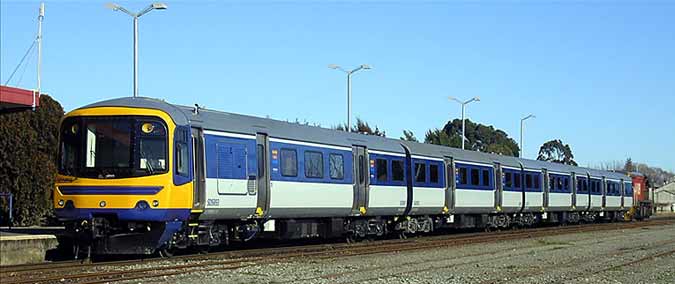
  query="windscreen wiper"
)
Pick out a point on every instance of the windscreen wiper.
point(148, 164)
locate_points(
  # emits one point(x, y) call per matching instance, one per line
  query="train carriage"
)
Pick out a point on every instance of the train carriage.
point(139, 175)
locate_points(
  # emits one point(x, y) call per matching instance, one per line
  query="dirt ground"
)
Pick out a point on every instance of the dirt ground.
point(645, 255)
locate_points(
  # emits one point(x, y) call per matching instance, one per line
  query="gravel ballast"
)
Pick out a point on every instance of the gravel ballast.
point(643, 255)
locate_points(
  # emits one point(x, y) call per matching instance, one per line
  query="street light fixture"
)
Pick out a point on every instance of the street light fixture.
point(349, 87)
point(522, 148)
point(153, 6)
point(474, 99)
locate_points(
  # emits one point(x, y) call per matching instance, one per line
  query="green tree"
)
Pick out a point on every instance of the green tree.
point(557, 152)
point(361, 127)
point(628, 166)
point(28, 149)
point(479, 137)
point(409, 136)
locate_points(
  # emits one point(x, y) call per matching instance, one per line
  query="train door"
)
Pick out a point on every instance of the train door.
point(545, 183)
point(622, 186)
point(499, 186)
point(199, 182)
point(603, 191)
point(263, 175)
point(451, 184)
point(361, 179)
point(573, 184)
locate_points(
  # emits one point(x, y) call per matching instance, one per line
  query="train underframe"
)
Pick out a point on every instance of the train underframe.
point(106, 235)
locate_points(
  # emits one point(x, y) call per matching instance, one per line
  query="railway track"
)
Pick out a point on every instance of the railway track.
point(103, 272)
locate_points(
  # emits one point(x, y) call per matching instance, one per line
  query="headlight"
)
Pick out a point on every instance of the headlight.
point(142, 205)
point(61, 202)
point(155, 203)
point(102, 203)
point(147, 127)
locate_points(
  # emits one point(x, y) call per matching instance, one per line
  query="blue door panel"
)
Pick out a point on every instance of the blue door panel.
point(230, 158)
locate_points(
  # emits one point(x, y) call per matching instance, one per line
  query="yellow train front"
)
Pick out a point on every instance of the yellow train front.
point(124, 183)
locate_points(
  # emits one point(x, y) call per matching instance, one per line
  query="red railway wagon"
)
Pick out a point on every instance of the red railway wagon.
point(640, 190)
point(641, 199)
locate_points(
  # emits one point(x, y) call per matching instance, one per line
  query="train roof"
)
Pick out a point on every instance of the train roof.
point(245, 124)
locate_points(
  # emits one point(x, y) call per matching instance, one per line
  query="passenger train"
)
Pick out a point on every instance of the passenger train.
point(141, 176)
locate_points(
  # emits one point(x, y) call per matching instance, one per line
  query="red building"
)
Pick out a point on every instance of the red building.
point(15, 99)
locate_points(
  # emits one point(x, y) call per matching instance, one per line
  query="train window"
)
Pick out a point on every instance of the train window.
point(508, 180)
point(536, 181)
point(336, 166)
point(420, 172)
point(381, 169)
point(486, 178)
point(559, 184)
point(516, 180)
point(551, 183)
point(463, 176)
point(313, 164)
point(585, 186)
point(566, 186)
point(289, 163)
point(397, 172)
point(362, 177)
point(433, 173)
point(528, 181)
point(182, 159)
point(475, 177)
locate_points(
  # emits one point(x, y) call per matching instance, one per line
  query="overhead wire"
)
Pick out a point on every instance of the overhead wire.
point(22, 60)
point(25, 67)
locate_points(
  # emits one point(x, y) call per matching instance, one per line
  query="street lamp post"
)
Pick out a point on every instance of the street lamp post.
point(522, 120)
point(349, 88)
point(474, 99)
point(153, 6)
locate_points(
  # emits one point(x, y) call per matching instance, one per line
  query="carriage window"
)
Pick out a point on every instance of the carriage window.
point(528, 181)
point(381, 168)
point(336, 166)
point(516, 180)
point(551, 183)
point(362, 176)
point(433, 173)
point(182, 162)
point(313, 164)
point(475, 177)
point(566, 187)
point(486, 178)
point(508, 180)
point(397, 173)
point(420, 172)
point(536, 181)
point(463, 176)
point(289, 163)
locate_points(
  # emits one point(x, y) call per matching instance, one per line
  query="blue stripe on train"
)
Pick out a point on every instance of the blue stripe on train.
point(110, 190)
point(132, 214)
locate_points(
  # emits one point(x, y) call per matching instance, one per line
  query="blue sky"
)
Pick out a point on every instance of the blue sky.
point(600, 75)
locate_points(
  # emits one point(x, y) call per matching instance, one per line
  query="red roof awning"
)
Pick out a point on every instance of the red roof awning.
point(15, 99)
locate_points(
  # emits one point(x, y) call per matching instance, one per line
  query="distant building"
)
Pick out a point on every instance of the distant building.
point(664, 197)
point(16, 99)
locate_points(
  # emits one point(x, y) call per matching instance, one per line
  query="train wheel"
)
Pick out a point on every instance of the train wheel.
point(166, 252)
point(402, 235)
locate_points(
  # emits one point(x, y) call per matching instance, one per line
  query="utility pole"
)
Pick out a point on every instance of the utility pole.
point(475, 99)
point(520, 154)
point(349, 89)
point(41, 17)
